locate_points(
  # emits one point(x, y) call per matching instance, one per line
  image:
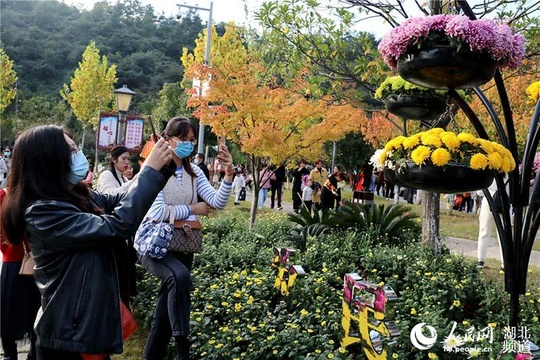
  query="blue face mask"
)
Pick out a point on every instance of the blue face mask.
point(183, 150)
point(79, 167)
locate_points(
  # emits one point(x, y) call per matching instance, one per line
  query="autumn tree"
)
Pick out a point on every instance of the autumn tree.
point(91, 88)
point(267, 121)
point(8, 77)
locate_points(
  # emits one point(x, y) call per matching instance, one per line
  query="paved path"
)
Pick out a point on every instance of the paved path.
point(456, 245)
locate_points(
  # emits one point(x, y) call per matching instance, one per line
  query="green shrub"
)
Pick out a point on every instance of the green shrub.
point(237, 313)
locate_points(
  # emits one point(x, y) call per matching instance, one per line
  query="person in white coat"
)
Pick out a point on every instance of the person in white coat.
point(239, 183)
point(486, 222)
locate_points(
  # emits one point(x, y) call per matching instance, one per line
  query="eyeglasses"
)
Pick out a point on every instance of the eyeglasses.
point(184, 140)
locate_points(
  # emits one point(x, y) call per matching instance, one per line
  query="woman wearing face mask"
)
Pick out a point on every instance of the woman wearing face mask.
point(70, 230)
point(180, 195)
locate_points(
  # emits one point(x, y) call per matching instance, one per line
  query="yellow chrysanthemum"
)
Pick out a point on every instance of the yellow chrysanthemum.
point(420, 154)
point(440, 157)
point(478, 162)
point(382, 159)
point(435, 131)
point(431, 139)
point(450, 140)
point(456, 303)
point(495, 161)
point(410, 142)
point(507, 164)
point(466, 137)
point(533, 91)
point(394, 143)
point(486, 145)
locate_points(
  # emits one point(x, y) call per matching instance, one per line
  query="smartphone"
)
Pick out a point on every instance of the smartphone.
point(153, 128)
point(221, 140)
point(221, 143)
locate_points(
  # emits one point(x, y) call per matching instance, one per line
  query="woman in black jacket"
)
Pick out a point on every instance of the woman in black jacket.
point(70, 230)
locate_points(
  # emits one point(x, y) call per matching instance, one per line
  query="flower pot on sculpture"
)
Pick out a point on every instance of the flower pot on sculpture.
point(444, 68)
point(443, 161)
point(451, 51)
point(446, 179)
point(416, 107)
point(390, 177)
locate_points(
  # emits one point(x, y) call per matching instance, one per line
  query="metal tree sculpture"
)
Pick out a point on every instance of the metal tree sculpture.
point(517, 236)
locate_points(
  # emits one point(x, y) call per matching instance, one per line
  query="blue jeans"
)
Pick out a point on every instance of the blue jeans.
point(173, 305)
point(262, 197)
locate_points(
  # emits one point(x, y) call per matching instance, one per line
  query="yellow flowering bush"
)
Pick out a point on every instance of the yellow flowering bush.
point(441, 148)
point(533, 91)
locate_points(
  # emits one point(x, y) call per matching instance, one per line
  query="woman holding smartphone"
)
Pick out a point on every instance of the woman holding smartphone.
point(70, 230)
point(180, 195)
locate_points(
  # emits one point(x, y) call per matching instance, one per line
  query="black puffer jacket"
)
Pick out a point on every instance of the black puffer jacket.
point(75, 268)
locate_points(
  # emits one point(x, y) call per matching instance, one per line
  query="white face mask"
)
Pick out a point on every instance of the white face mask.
point(79, 167)
point(196, 161)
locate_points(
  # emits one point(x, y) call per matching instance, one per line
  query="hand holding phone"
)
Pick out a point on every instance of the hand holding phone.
point(221, 143)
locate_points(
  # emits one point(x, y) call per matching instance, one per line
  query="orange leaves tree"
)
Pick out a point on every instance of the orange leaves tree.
point(268, 120)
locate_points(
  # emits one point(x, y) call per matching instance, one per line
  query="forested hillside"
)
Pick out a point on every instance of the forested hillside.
point(46, 39)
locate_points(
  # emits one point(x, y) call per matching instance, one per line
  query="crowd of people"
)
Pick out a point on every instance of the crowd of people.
point(82, 239)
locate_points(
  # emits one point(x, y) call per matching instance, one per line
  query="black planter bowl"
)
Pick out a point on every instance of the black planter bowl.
point(416, 107)
point(443, 68)
point(445, 179)
point(390, 176)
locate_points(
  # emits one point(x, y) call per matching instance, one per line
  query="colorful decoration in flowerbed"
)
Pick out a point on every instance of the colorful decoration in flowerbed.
point(286, 273)
point(365, 306)
point(451, 51)
point(443, 161)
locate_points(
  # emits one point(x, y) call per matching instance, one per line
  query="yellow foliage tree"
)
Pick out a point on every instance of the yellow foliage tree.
point(266, 120)
point(91, 88)
point(8, 77)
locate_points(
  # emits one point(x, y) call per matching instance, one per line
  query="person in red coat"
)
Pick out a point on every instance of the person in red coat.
point(20, 299)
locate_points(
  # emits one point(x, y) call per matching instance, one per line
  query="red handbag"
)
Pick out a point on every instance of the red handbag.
point(129, 326)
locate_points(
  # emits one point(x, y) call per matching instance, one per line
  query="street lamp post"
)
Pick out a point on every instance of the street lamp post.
point(123, 99)
point(200, 146)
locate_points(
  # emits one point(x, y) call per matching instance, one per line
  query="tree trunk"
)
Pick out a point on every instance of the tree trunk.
point(430, 221)
point(255, 164)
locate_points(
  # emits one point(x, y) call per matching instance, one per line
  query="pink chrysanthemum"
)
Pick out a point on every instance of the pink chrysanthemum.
point(486, 36)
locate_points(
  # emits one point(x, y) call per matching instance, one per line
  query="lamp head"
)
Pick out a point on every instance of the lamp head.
point(123, 98)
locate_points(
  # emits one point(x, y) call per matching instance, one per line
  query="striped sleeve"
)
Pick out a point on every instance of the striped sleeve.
point(216, 199)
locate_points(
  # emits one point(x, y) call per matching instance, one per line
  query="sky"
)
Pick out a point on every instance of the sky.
point(222, 11)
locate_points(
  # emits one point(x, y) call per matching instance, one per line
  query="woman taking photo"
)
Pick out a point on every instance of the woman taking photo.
point(174, 270)
point(70, 230)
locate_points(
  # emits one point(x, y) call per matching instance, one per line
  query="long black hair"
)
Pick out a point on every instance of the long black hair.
point(39, 169)
point(179, 126)
point(115, 154)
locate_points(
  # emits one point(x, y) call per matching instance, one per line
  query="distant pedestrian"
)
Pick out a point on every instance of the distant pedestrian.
point(265, 176)
point(486, 222)
point(276, 187)
point(307, 195)
point(318, 175)
point(239, 184)
point(297, 174)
